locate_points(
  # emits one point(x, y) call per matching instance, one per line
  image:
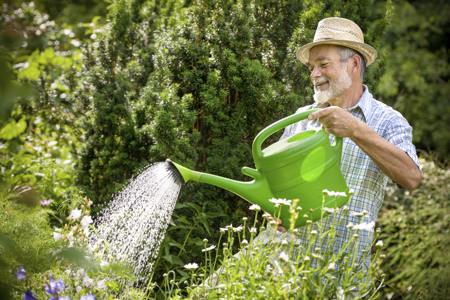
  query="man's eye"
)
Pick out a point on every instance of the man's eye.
point(323, 65)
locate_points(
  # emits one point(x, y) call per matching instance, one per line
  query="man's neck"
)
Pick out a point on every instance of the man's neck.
point(350, 97)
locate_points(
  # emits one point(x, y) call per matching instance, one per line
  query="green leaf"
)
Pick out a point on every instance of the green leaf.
point(77, 257)
point(13, 129)
point(32, 72)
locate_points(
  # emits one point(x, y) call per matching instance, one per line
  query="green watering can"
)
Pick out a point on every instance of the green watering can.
point(299, 167)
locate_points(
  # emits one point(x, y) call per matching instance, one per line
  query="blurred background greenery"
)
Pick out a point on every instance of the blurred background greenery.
point(93, 91)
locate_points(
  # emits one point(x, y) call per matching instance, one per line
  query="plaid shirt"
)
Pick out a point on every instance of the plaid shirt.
point(361, 173)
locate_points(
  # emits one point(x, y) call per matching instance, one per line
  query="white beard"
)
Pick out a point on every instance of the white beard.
point(335, 88)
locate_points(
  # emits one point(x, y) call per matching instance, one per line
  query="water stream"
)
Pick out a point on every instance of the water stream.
point(132, 227)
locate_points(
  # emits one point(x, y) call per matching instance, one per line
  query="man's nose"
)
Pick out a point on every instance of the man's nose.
point(315, 72)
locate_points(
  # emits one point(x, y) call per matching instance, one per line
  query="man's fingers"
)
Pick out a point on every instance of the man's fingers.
point(319, 114)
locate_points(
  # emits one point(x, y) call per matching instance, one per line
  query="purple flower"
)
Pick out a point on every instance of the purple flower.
point(28, 295)
point(20, 274)
point(87, 297)
point(55, 287)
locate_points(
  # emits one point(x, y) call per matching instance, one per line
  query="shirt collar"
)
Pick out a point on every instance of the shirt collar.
point(364, 103)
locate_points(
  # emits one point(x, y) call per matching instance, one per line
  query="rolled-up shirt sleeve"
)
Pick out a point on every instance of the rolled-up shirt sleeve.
point(399, 132)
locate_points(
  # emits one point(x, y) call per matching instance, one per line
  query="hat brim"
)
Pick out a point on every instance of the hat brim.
point(369, 53)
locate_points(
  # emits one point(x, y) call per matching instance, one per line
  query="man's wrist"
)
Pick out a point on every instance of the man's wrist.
point(358, 131)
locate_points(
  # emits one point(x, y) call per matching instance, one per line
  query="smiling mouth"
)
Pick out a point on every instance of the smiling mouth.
point(320, 84)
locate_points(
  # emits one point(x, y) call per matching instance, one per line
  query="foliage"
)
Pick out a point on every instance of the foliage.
point(416, 234)
point(416, 72)
point(38, 135)
point(195, 81)
point(25, 239)
point(195, 84)
point(36, 157)
point(34, 255)
point(278, 266)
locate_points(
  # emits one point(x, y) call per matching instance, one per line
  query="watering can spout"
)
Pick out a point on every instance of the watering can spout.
point(185, 173)
point(256, 191)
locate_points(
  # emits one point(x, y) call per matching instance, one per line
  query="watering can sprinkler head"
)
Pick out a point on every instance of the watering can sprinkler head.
point(185, 173)
point(299, 167)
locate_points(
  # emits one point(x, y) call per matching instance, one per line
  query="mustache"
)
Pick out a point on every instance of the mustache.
point(319, 81)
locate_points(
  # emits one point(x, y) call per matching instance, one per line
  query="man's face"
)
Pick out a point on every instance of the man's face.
point(328, 73)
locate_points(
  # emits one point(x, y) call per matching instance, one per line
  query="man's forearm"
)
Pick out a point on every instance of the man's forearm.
point(393, 161)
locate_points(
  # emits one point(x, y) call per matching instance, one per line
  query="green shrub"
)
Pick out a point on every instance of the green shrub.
point(194, 82)
point(25, 240)
point(415, 229)
point(416, 70)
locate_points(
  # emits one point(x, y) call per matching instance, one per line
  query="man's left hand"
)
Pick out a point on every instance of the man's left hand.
point(337, 121)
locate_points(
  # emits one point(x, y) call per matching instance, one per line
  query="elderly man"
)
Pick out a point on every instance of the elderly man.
point(377, 139)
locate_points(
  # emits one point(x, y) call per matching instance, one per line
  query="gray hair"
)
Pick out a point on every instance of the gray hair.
point(345, 53)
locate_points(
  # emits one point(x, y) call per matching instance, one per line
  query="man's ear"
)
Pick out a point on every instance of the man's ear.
point(356, 63)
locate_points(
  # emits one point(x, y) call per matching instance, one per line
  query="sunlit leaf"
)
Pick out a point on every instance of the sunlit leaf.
point(13, 129)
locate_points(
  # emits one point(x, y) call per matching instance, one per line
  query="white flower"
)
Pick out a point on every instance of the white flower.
point(314, 232)
point(75, 43)
point(340, 294)
point(88, 282)
point(266, 215)
point(255, 207)
point(332, 266)
point(365, 226)
point(212, 247)
point(317, 255)
point(57, 235)
point(85, 221)
point(244, 242)
point(70, 237)
point(306, 258)
point(81, 273)
point(253, 230)
point(284, 256)
point(379, 243)
point(191, 266)
point(356, 214)
point(328, 210)
point(238, 229)
point(104, 263)
point(75, 214)
point(101, 284)
point(334, 194)
point(278, 202)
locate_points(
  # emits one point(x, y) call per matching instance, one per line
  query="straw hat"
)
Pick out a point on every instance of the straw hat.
point(341, 32)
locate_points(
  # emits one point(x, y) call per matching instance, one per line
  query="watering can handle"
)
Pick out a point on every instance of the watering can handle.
point(273, 128)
